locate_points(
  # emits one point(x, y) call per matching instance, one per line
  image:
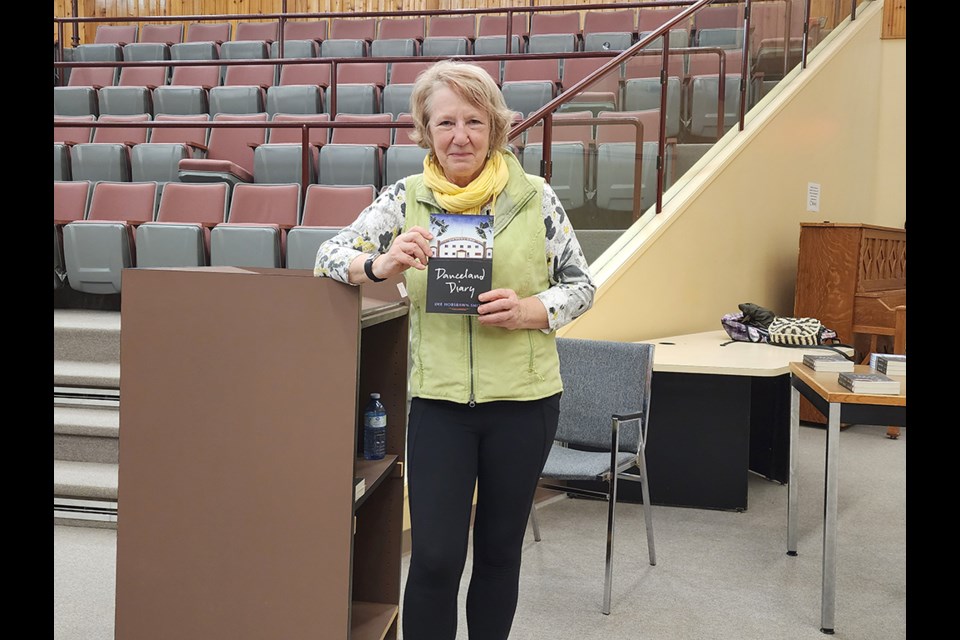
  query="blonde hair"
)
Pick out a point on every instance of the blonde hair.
point(473, 85)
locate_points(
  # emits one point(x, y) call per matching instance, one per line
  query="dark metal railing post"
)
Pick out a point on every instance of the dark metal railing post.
point(662, 137)
point(806, 35)
point(745, 78)
point(546, 162)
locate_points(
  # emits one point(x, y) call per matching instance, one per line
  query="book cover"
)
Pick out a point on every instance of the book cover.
point(827, 362)
point(461, 262)
point(868, 382)
point(359, 487)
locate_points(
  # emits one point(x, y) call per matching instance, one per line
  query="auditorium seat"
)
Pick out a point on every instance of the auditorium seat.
point(614, 41)
point(244, 90)
point(300, 89)
point(229, 156)
point(107, 46)
point(571, 149)
point(679, 38)
point(652, 18)
point(402, 160)
point(76, 101)
point(98, 248)
point(180, 235)
point(107, 156)
point(70, 135)
point(649, 120)
point(344, 48)
point(159, 158)
point(350, 164)
point(216, 32)
point(722, 37)
point(492, 34)
point(70, 201)
point(195, 138)
point(455, 26)
point(358, 90)
point(528, 84)
point(597, 21)
point(377, 136)
point(702, 93)
point(133, 94)
point(115, 34)
point(399, 36)
point(399, 47)
point(65, 137)
point(326, 209)
point(188, 90)
point(394, 28)
point(641, 94)
point(449, 35)
point(396, 94)
point(617, 158)
point(280, 159)
point(446, 46)
point(353, 28)
point(315, 30)
point(254, 234)
point(256, 30)
point(554, 32)
point(602, 95)
point(154, 44)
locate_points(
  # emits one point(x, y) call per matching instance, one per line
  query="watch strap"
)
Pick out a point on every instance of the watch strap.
point(368, 268)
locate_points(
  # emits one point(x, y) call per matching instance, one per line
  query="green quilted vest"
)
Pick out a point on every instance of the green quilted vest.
point(454, 357)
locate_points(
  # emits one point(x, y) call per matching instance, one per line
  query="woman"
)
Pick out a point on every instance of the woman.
point(486, 388)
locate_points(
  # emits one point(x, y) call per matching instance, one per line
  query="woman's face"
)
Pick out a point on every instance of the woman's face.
point(461, 136)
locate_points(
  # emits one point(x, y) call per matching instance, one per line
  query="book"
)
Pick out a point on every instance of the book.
point(827, 362)
point(461, 262)
point(891, 364)
point(359, 487)
point(873, 382)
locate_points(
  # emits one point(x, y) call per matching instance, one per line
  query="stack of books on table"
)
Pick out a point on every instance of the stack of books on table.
point(827, 362)
point(891, 364)
point(872, 382)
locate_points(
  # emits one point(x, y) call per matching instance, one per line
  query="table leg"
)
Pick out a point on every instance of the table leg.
point(792, 474)
point(829, 592)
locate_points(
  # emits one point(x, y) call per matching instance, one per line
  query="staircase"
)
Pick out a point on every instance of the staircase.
point(86, 416)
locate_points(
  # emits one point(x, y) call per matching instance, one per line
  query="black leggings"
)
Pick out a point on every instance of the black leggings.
point(499, 447)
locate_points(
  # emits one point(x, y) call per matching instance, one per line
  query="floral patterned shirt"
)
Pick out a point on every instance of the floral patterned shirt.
point(571, 287)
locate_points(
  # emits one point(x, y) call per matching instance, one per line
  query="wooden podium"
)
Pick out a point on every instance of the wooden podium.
point(241, 398)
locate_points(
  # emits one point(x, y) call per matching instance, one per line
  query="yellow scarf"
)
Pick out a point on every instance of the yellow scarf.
point(471, 198)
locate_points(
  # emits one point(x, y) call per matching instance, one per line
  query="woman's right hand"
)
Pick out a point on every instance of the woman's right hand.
point(409, 249)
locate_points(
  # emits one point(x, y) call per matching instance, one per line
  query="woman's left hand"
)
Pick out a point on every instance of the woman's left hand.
point(502, 308)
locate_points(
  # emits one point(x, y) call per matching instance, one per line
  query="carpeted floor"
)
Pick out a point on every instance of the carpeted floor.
point(718, 575)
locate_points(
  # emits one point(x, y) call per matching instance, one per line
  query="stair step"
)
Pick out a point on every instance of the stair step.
point(85, 480)
point(72, 373)
point(86, 433)
point(86, 335)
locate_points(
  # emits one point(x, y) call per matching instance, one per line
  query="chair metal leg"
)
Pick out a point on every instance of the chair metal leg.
point(534, 522)
point(647, 507)
point(611, 522)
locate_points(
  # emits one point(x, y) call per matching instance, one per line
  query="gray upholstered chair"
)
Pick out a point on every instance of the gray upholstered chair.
point(604, 416)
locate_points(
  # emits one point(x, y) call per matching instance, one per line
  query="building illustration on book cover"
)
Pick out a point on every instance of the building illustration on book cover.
point(461, 262)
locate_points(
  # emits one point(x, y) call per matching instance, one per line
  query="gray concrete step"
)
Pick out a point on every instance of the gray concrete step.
point(86, 433)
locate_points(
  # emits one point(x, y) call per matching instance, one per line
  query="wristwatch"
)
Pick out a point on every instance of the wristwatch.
point(368, 268)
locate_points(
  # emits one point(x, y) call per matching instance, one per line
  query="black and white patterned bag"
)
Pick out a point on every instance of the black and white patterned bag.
point(799, 331)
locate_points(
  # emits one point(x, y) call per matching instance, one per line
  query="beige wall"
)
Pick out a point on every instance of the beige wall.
point(731, 234)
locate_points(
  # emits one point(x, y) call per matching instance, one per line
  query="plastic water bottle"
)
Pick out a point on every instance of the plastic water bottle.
point(374, 429)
